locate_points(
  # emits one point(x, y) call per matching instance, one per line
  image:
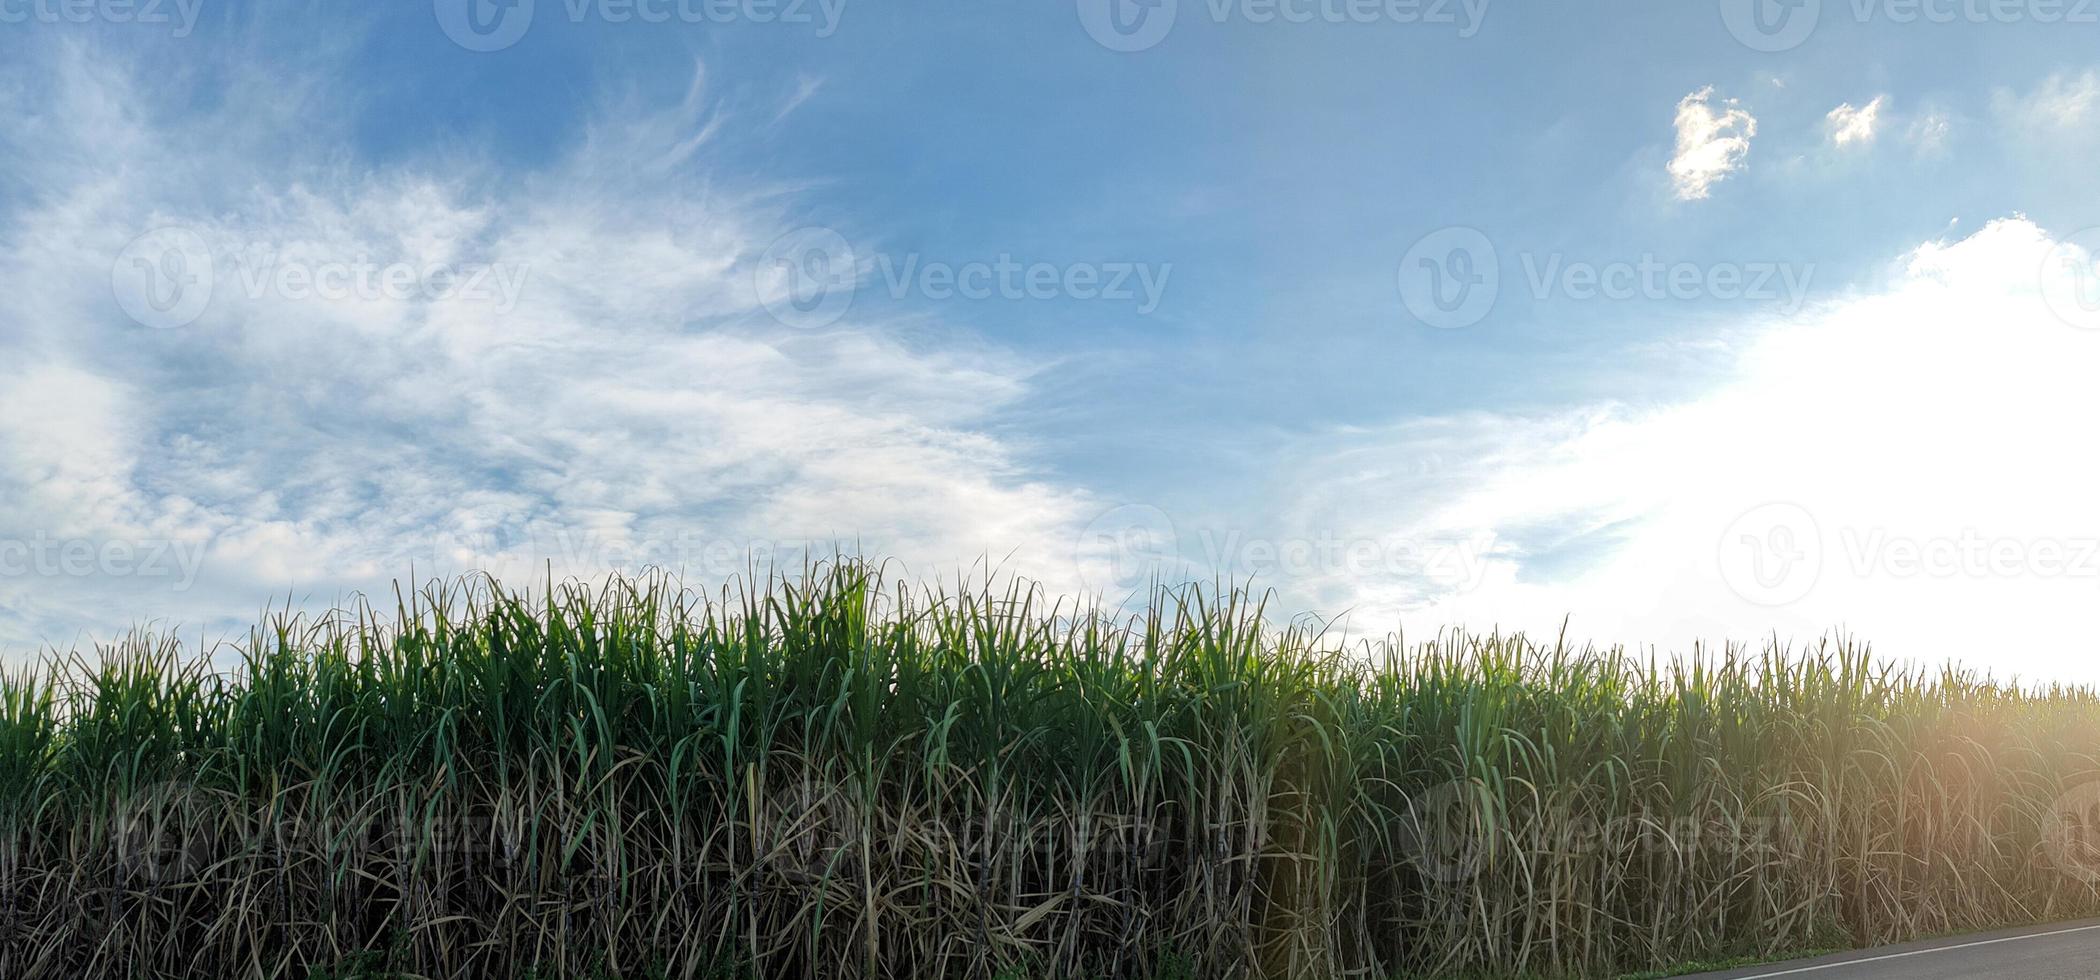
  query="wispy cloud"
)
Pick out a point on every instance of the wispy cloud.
point(2063, 103)
point(806, 88)
point(623, 399)
point(1928, 133)
point(1712, 142)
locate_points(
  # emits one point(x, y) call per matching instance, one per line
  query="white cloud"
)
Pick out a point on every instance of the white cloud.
point(1710, 144)
point(633, 403)
point(1848, 124)
point(2062, 104)
point(1928, 133)
point(1946, 414)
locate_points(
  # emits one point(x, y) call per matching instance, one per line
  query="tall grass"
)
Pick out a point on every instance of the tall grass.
point(833, 775)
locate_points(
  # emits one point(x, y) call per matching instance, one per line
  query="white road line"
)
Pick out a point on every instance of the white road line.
point(1916, 952)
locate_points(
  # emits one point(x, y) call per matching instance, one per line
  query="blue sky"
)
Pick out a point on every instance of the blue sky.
point(1777, 341)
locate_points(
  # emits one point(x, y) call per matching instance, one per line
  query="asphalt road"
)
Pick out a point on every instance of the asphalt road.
point(2064, 951)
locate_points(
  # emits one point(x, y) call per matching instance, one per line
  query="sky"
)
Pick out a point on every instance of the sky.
point(1662, 323)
